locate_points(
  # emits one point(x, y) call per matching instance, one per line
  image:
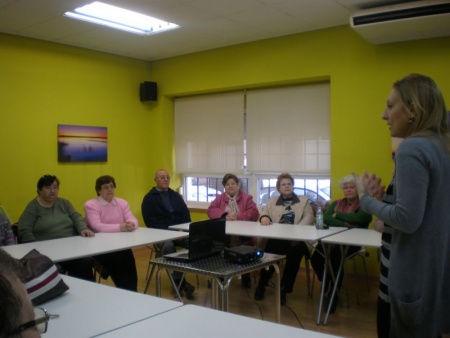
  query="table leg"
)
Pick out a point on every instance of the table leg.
point(326, 249)
point(158, 284)
point(175, 286)
point(277, 292)
point(223, 295)
point(214, 294)
point(344, 249)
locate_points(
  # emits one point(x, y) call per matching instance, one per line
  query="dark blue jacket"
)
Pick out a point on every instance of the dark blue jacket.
point(157, 216)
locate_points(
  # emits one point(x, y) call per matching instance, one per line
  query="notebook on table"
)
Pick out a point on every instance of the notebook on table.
point(206, 238)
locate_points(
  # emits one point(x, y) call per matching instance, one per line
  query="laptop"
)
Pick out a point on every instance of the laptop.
point(206, 238)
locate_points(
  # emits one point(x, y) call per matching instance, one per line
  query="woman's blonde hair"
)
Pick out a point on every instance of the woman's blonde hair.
point(423, 100)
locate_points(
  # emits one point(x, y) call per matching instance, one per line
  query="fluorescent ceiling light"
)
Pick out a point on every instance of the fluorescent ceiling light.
point(119, 18)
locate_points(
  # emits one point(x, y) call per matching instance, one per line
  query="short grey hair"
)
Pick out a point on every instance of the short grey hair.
point(346, 180)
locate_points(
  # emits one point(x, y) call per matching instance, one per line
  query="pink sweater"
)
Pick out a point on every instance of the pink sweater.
point(102, 216)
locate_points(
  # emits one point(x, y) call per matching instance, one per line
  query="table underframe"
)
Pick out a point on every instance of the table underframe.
point(222, 272)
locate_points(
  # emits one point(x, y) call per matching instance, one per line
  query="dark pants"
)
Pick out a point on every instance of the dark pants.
point(79, 268)
point(121, 267)
point(383, 318)
point(294, 255)
point(318, 261)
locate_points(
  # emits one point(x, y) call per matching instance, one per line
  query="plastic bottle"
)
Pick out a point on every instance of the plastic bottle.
point(319, 219)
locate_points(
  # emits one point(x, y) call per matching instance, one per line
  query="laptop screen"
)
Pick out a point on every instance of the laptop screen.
point(206, 238)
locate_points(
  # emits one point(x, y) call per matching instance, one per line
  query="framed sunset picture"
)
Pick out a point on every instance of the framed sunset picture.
point(82, 143)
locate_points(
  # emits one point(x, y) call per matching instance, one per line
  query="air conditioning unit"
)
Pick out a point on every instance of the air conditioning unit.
point(408, 21)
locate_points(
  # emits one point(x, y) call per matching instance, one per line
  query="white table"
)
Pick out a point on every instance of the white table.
point(196, 321)
point(275, 230)
point(88, 309)
point(63, 249)
point(357, 237)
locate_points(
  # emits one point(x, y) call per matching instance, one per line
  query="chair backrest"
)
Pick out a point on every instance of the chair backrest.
point(3, 212)
point(15, 230)
point(14, 227)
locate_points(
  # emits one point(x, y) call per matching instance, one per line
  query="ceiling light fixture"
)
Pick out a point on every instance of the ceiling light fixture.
point(119, 18)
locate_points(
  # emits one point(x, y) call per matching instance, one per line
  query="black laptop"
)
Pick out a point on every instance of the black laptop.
point(206, 238)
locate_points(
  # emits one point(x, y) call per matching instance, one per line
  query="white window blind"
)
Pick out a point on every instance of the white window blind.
point(288, 129)
point(209, 133)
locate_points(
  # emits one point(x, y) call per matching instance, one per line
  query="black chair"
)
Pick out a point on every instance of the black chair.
point(15, 230)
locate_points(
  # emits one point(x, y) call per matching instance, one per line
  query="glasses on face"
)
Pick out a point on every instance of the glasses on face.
point(41, 321)
point(108, 186)
point(164, 178)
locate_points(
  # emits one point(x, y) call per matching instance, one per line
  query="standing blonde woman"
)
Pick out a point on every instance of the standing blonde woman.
point(419, 273)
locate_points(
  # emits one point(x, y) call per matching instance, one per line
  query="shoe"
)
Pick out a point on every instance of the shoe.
point(333, 305)
point(188, 290)
point(283, 295)
point(260, 292)
point(246, 280)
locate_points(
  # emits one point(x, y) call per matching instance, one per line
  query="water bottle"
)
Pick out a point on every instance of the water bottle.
point(319, 219)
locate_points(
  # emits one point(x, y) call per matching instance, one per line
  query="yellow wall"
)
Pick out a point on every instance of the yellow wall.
point(44, 84)
point(361, 76)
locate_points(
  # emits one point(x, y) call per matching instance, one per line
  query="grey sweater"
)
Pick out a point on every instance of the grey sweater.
point(419, 277)
point(61, 220)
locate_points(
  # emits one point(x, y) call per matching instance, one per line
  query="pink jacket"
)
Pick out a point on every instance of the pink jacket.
point(102, 216)
point(248, 211)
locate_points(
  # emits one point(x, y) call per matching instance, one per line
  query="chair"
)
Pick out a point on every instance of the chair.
point(362, 254)
point(15, 230)
point(100, 272)
point(153, 255)
point(155, 252)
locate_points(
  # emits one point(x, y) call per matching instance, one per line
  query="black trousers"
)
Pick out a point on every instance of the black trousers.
point(294, 255)
point(79, 268)
point(383, 318)
point(121, 267)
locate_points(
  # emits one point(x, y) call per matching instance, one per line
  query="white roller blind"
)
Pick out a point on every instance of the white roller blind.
point(209, 133)
point(288, 129)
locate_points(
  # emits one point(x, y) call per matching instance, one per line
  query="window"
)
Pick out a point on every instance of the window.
point(313, 188)
point(288, 130)
point(209, 134)
point(256, 134)
point(205, 189)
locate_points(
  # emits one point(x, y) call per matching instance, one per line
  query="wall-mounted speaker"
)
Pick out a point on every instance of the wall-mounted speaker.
point(148, 91)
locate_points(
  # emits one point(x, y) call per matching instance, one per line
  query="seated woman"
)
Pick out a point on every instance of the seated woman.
point(107, 213)
point(288, 208)
point(234, 205)
point(344, 212)
point(6, 233)
point(49, 217)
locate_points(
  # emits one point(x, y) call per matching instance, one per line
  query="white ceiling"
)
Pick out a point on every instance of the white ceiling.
point(204, 24)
